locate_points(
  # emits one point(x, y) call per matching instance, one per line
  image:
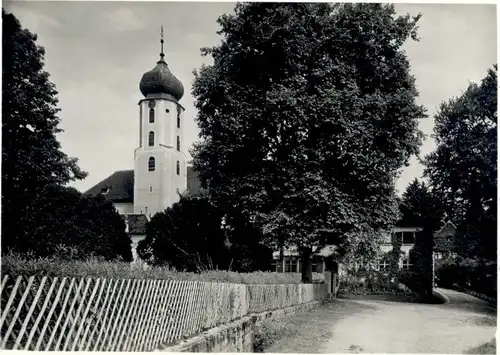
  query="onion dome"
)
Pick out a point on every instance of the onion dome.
point(160, 80)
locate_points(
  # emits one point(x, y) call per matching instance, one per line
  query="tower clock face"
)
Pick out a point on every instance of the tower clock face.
point(152, 104)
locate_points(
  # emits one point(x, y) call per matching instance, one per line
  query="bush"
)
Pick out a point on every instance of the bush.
point(195, 235)
point(472, 274)
point(62, 216)
point(15, 265)
point(376, 283)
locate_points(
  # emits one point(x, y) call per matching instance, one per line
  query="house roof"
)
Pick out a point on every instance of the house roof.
point(447, 229)
point(136, 223)
point(119, 186)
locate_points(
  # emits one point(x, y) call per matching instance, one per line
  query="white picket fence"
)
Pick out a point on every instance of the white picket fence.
point(96, 314)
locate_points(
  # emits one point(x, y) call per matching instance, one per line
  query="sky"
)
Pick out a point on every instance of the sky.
point(96, 53)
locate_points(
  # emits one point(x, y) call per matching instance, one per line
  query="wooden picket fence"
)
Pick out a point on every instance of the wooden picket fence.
point(97, 314)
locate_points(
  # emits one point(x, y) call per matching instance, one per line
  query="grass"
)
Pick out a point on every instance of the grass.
point(486, 348)
point(17, 266)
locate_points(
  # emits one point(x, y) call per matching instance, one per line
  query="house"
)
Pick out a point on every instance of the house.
point(291, 259)
point(444, 241)
point(407, 234)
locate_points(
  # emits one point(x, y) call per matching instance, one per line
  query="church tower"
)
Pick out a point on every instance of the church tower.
point(159, 161)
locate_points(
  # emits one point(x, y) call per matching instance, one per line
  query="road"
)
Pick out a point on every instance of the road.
point(367, 326)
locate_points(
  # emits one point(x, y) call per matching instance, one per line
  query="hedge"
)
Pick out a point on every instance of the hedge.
point(15, 266)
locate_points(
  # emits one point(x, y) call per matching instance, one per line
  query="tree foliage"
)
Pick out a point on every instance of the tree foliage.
point(31, 154)
point(62, 216)
point(195, 235)
point(463, 168)
point(306, 116)
point(421, 207)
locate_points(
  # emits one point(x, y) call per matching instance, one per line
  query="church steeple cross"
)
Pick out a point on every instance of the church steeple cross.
point(162, 41)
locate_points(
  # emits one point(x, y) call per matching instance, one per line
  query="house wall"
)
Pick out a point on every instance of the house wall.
point(124, 207)
point(404, 248)
point(295, 265)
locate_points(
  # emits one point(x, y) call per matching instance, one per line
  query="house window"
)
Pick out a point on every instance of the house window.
point(314, 266)
point(408, 238)
point(151, 164)
point(178, 168)
point(279, 266)
point(178, 143)
point(291, 265)
point(151, 115)
point(406, 264)
point(151, 140)
point(383, 265)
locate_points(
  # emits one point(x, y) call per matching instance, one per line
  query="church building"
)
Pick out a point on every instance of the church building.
point(161, 174)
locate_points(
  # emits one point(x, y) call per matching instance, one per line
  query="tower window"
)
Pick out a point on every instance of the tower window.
point(140, 126)
point(178, 118)
point(178, 143)
point(151, 189)
point(151, 164)
point(178, 168)
point(151, 141)
point(151, 115)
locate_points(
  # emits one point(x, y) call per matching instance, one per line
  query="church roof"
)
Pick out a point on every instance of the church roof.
point(160, 80)
point(119, 186)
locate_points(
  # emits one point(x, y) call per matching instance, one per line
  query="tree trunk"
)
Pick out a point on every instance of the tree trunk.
point(305, 255)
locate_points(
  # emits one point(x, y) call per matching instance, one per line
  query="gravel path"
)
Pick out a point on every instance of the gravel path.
point(396, 327)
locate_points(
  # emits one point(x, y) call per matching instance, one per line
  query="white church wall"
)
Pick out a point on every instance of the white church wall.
point(124, 207)
point(156, 190)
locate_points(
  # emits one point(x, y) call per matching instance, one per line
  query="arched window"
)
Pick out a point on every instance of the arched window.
point(151, 140)
point(151, 164)
point(178, 143)
point(151, 115)
point(178, 168)
point(178, 117)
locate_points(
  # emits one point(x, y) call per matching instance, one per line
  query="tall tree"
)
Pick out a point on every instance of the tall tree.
point(463, 168)
point(31, 155)
point(306, 116)
point(422, 207)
